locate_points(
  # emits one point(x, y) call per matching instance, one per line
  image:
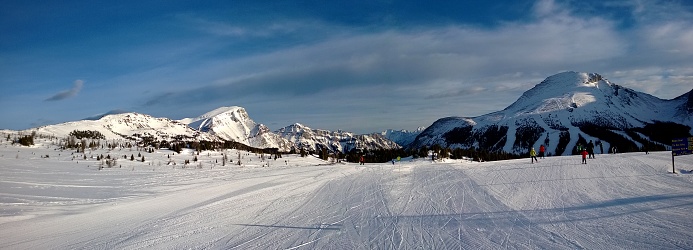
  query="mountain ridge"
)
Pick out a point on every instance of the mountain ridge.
point(565, 109)
point(561, 109)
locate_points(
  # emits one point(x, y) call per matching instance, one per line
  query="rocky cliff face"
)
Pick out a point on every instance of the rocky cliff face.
point(234, 124)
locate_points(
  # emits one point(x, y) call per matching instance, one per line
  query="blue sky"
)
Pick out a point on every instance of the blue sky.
point(362, 67)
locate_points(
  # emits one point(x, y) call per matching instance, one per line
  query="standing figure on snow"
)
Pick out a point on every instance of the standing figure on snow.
point(362, 160)
point(542, 149)
point(584, 156)
point(533, 155)
point(590, 149)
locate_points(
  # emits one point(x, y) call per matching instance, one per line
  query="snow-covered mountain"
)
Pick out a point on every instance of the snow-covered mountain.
point(234, 124)
point(402, 137)
point(335, 141)
point(566, 109)
point(128, 125)
point(224, 123)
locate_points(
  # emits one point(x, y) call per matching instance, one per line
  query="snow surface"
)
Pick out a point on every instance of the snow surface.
point(623, 201)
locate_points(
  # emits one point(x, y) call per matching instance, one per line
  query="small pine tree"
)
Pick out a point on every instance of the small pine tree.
point(142, 158)
point(132, 157)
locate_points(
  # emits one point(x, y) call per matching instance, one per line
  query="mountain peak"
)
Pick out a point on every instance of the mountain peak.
point(210, 114)
point(560, 109)
point(564, 91)
point(572, 79)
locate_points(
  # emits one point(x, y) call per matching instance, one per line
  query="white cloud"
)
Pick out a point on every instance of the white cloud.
point(460, 65)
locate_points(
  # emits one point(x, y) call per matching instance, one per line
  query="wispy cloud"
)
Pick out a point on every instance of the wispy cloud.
point(260, 29)
point(462, 57)
point(68, 93)
point(468, 69)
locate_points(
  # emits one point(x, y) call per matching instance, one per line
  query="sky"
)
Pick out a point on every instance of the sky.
point(359, 66)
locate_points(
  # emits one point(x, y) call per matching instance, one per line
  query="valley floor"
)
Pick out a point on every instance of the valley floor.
point(624, 201)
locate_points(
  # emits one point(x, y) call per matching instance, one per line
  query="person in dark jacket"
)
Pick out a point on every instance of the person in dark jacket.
point(590, 150)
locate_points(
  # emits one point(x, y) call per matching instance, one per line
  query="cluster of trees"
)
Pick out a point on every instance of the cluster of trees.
point(664, 132)
point(526, 134)
point(473, 153)
point(26, 140)
point(563, 140)
point(437, 151)
point(606, 134)
point(491, 138)
point(375, 156)
point(87, 134)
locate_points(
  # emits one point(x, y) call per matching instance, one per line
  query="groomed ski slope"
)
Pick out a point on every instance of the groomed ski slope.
point(624, 201)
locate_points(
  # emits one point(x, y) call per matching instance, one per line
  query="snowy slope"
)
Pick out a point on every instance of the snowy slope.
point(335, 141)
point(623, 201)
point(564, 102)
point(127, 125)
point(234, 124)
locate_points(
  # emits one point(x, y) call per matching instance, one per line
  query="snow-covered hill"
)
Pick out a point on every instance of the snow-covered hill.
point(224, 123)
point(335, 141)
point(562, 109)
point(402, 137)
point(127, 125)
point(234, 124)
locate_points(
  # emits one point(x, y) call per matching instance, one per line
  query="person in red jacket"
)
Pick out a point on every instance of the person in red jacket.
point(584, 156)
point(542, 149)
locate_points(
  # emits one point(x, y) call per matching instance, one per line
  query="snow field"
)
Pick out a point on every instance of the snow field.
point(623, 201)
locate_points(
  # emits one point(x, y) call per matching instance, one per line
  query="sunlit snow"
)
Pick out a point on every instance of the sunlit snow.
point(622, 201)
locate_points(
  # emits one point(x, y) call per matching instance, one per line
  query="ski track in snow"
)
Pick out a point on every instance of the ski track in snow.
point(623, 201)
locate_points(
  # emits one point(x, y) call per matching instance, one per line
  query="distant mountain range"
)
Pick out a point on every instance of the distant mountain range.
point(221, 124)
point(562, 111)
point(567, 109)
point(402, 137)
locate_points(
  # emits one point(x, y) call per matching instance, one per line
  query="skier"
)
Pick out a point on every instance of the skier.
point(590, 150)
point(362, 161)
point(584, 156)
point(533, 155)
point(601, 147)
point(542, 149)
